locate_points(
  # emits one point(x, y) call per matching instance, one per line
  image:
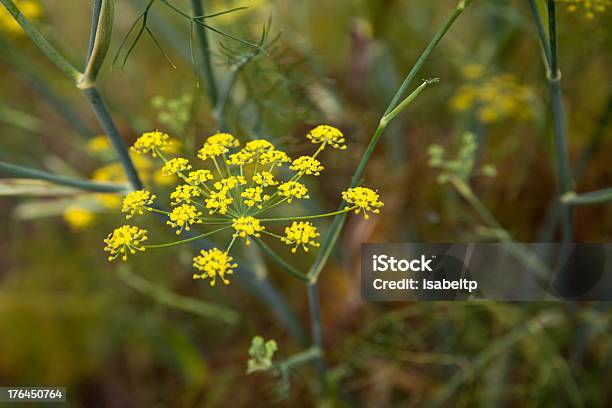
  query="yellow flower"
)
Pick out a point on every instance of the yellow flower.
point(307, 165)
point(210, 151)
point(229, 182)
point(273, 156)
point(183, 216)
point(328, 135)
point(253, 196)
point(29, 8)
point(247, 226)
point(136, 202)
point(124, 239)
point(588, 7)
point(153, 142)
point(264, 179)
point(218, 201)
point(473, 71)
point(175, 165)
point(214, 263)
point(223, 139)
point(184, 194)
point(256, 149)
point(195, 178)
point(293, 189)
point(98, 144)
point(364, 199)
point(301, 233)
point(78, 217)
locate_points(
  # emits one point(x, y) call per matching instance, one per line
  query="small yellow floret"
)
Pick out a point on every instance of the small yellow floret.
point(264, 179)
point(293, 189)
point(218, 201)
point(254, 196)
point(364, 199)
point(247, 226)
point(124, 239)
point(214, 263)
point(78, 217)
point(184, 194)
point(137, 202)
point(307, 165)
point(223, 139)
point(175, 166)
point(301, 233)
point(327, 135)
point(183, 216)
point(198, 177)
point(153, 142)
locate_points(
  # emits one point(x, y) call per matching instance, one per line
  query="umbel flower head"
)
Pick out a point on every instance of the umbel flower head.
point(363, 200)
point(137, 202)
point(214, 263)
point(123, 240)
point(236, 193)
point(328, 135)
point(154, 142)
point(301, 234)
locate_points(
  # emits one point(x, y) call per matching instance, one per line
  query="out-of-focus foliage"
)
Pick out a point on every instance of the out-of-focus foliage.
point(67, 318)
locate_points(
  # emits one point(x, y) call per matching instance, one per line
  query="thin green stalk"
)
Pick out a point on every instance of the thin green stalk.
point(553, 76)
point(309, 217)
point(280, 261)
point(315, 328)
point(110, 129)
point(466, 192)
point(430, 47)
point(171, 299)
point(41, 42)
point(95, 16)
point(593, 197)
point(541, 32)
point(27, 172)
point(300, 358)
point(335, 229)
point(211, 84)
point(183, 241)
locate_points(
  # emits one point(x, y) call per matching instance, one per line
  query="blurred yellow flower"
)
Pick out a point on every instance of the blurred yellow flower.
point(31, 9)
point(78, 217)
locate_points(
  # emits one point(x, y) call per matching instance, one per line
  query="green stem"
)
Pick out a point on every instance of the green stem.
point(110, 129)
point(28, 172)
point(315, 328)
point(553, 76)
point(336, 227)
point(593, 197)
point(309, 217)
point(211, 84)
point(190, 239)
point(541, 32)
point(184, 303)
point(41, 42)
point(305, 356)
point(466, 192)
point(280, 261)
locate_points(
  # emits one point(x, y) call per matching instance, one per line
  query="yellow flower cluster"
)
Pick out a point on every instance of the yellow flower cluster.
point(31, 9)
point(183, 216)
point(238, 185)
point(175, 166)
point(124, 239)
point(327, 135)
point(301, 233)
point(214, 263)
point(364, 199)
point(137, 202)
point(154, 142)
point(588, 7)
point(493, 98)
point(247, 226)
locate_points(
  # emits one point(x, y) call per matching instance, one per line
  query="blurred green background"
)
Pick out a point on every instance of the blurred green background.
point(69, 318)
